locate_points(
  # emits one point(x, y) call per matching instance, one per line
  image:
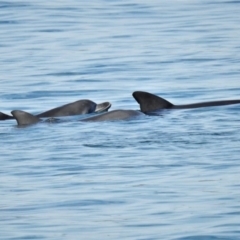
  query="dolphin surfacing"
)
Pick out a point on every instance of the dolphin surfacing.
point(25, 118)
point(149, 103)
point(114, 116)
point(75, 108)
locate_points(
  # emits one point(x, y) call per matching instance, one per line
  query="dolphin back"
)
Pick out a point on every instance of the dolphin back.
point(114, 116)
point(102, 107)
point(24, 118)
point(149, 102)
point(75, 108)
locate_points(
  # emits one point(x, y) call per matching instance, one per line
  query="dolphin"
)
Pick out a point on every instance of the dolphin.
point(25, 118)
point(75, 108)
point(151, 103)
point(113, 116)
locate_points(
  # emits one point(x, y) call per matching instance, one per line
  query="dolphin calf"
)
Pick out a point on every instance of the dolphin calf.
point(25, 118)
point(149, 103)
point(75, 108)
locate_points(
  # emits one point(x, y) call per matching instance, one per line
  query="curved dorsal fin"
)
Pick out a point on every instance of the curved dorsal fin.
point(103, 107)
point(24, 118)
point(149, 102)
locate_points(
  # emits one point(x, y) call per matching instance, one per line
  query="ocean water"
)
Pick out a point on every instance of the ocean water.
point(174, 176)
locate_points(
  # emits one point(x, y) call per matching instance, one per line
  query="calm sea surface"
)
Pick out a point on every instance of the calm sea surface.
point(175, 176)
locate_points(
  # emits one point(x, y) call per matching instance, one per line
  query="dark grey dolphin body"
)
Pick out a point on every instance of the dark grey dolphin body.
point(24, 118)
point(151, 103)
point(76, 108)
point(113, 116)
point(70, 109)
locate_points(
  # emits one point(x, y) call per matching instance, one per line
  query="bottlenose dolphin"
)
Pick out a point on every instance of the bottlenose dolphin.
point(151, 103)
point(75, 108)
point(25, 118)
point(113, 116)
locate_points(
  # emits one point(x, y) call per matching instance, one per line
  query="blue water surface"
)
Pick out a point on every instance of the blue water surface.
point(174, 176)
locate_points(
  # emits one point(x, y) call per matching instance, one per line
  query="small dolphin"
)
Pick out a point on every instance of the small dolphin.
point(76, 108)
point(25, 118)
point(70, 109)
point(150, 103)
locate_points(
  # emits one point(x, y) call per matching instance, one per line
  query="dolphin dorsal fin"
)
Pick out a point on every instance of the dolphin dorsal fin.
point(24, 118)
point(103, 107)
point(149, 102)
